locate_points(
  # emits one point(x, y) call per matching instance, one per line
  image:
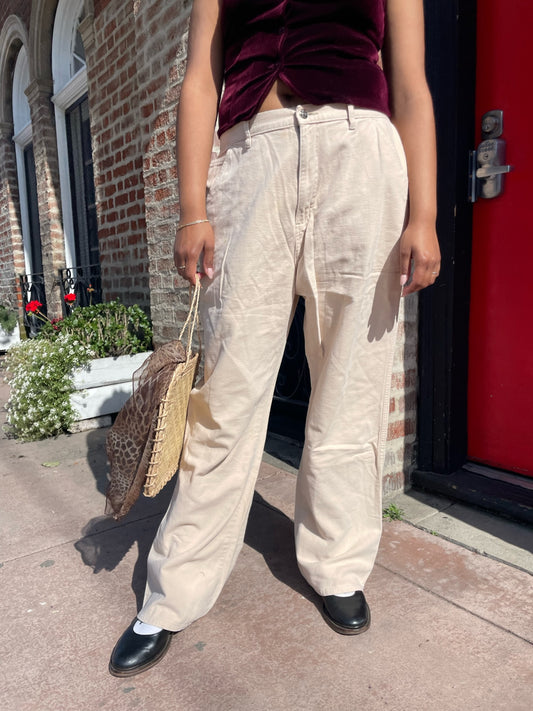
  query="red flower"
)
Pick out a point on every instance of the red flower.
point(33, 306)
point(69, 298)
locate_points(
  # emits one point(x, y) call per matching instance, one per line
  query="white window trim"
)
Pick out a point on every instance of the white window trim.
point(23, 198)
point(22, 138)
point(67, 91)
point(72, 91)
point(62, 100)
point(64, 34)
point(68, 95)
point(21, 79)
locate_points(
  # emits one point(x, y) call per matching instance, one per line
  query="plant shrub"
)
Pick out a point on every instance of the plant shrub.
point(8, 320)
point(109, 329)
point(39, 372)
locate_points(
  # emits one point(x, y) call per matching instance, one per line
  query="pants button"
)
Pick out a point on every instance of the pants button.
point(303, 113)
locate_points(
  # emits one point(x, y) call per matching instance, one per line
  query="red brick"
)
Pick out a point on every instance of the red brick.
point(400, 429)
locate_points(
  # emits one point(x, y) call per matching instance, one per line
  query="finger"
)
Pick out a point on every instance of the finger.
point(180, 258)
point(190, 271)
point(180, 255)
point(185, 258)
point(185, 261)
point(405, 266)
point(423, 276)
point(208, 260)
point(181, 267)
point(418, 281)
point(182, 262)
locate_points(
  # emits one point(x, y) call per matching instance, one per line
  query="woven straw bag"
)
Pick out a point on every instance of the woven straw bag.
point(167, 440)
point(144, 444)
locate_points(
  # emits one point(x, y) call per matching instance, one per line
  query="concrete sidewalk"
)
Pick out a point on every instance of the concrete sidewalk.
point(451, 629)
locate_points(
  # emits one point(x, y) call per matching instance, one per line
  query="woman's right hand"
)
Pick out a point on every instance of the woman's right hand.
point(199, 97)
point(192, 244)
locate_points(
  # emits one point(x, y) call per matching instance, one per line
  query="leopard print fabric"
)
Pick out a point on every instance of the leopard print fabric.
point(129, 441)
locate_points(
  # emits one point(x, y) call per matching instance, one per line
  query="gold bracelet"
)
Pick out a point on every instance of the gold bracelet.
point(188, 224)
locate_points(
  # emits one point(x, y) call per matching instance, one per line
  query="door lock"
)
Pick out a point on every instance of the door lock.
point(487, 163)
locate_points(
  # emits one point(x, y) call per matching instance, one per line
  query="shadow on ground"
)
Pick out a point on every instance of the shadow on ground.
point(103, 546)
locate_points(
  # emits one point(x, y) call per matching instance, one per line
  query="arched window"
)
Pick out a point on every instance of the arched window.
point(68, 54)
point(26, 167)
point(74, 145)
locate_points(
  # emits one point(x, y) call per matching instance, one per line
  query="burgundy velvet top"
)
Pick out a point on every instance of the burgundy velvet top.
point(325, 51)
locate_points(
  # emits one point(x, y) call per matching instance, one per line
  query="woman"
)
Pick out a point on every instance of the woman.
point(307, 197)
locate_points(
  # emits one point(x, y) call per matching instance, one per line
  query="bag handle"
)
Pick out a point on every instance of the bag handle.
point(191, 322)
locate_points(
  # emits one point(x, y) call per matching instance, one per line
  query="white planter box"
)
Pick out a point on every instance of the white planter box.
point(104, 385)
point(9, 339)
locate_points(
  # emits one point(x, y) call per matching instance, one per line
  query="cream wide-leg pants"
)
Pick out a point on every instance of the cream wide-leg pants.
point(308, 201)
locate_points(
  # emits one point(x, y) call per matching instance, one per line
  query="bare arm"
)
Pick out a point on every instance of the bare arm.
point(412, 114)
point(196, 118)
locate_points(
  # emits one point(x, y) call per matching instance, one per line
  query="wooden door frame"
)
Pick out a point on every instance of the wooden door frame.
point(444, 308)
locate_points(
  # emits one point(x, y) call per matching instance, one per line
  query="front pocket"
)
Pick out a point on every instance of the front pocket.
point(398, 145)
point(215, 169)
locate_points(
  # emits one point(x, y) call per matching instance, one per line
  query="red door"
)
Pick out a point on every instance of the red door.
point(500, 396)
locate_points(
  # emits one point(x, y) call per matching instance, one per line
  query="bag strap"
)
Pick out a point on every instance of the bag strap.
point(191, 322)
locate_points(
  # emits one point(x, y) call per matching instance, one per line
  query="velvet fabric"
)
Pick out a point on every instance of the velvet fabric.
point(326, 52)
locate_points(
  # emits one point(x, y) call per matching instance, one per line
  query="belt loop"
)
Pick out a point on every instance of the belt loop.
point(351, 116)
point(248, 136)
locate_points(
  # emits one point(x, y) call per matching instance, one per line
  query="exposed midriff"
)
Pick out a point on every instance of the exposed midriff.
point(280, 96)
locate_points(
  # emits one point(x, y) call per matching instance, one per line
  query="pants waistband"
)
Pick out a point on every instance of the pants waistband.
point(278, 119)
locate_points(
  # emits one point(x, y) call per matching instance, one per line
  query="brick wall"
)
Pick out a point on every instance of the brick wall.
point(112, 66)
point(161, 49)
point(11, 253)
point(400, 453)
point(135, 66)
point(21, 8)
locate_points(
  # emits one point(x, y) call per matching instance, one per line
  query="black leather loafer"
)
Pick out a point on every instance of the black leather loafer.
point(346, 615)
point(134, 653)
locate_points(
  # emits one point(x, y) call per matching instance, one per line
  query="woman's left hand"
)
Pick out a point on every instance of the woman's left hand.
point(419, 248)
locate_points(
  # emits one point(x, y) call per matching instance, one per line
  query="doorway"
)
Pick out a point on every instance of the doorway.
point(500, 374)
point(449, 341)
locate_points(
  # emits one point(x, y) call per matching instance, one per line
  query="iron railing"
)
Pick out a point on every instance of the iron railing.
point(85, 282)
point(33, 289)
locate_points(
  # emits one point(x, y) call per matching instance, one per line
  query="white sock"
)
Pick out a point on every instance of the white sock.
point(348, 594)
point(144, 628)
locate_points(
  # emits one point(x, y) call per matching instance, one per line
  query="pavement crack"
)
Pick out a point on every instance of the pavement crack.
point(458, 542)
point(454, 604)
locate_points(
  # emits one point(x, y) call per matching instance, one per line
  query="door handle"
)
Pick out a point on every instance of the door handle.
point(487, 171)
point(487, 163)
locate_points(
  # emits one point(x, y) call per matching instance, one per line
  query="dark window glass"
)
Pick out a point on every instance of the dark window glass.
point(78, 55)
point(82, 184)
point(33, 211)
